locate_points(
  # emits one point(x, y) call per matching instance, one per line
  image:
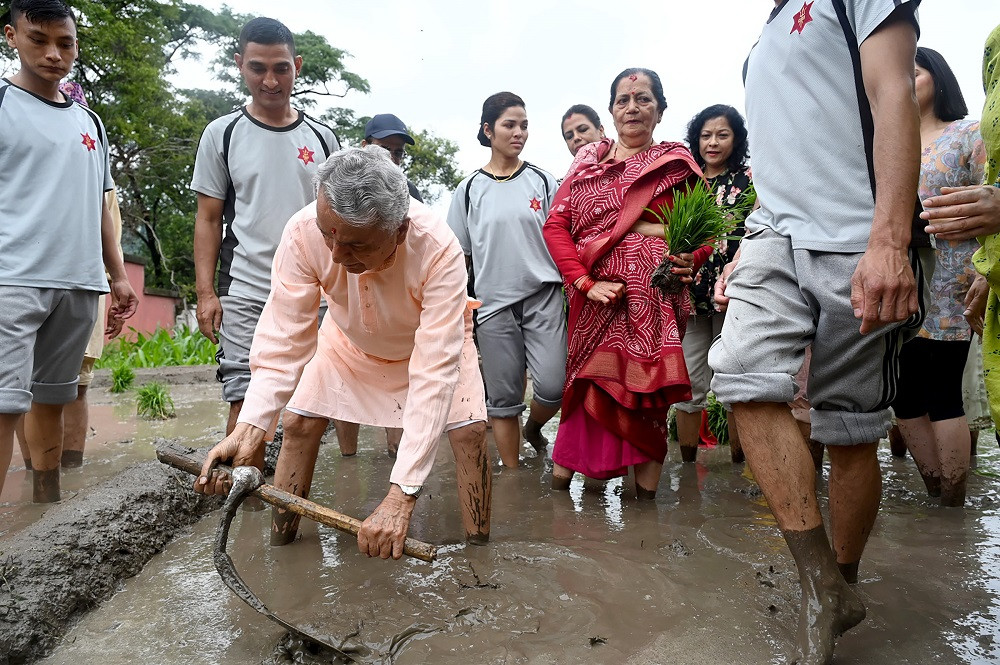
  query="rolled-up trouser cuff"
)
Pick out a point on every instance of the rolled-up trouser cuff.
point(14, 400)
point(235, 378)
point(691, 407)
point(846, 428)
point(505, 411)
point(753, 387)
point(554, 403)
point(54, 393)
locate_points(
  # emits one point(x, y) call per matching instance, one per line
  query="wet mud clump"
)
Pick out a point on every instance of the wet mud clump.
point(75, 556)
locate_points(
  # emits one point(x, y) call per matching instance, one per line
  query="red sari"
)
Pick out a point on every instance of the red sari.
point(625, 366)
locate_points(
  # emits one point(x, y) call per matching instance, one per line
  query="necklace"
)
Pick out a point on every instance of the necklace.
point(506, 177)
point(645, 147)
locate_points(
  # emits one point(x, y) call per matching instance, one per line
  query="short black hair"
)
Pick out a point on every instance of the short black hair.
point(949, 104)
point(493, 108)
point(654, 78)
point(262, 30)
point(584, 110)
point(741, 147)
point(40, 11)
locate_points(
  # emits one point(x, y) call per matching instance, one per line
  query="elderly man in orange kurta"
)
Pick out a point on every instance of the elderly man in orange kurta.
point(394, 350)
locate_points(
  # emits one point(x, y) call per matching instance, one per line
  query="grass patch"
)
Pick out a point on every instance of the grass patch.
point(122, 378)
point(161, 349)
point(153, 402)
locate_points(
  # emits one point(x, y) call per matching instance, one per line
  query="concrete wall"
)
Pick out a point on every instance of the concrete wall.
point(157, 307)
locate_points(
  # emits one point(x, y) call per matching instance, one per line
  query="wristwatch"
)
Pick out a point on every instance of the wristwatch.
point(410, 490)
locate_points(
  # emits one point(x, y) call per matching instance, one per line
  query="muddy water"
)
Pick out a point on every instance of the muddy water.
point(699, 576)
point(117, 439)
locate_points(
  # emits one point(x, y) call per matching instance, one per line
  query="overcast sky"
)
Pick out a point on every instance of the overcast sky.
point(434, 63)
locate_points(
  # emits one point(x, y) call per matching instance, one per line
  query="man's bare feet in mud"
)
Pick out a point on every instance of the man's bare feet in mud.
point(533, 435)
point(829, 606)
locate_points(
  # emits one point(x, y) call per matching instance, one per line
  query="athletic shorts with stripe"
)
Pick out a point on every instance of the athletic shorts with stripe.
point(782, 300)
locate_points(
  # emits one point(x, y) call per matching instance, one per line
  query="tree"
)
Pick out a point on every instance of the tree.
point(128, 52)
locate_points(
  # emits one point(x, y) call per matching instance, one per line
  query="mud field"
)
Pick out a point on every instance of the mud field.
point(699, 576)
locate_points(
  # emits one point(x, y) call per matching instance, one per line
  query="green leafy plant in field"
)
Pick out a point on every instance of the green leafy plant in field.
point(161, 349)
point(122, 377)
point(153, 402)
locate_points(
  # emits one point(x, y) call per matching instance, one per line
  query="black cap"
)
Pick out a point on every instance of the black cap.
point(386, 124)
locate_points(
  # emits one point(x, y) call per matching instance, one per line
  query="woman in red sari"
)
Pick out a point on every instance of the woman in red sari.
point(625, 365)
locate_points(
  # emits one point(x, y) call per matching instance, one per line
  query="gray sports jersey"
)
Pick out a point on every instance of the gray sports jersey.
point(810, 122)
point(264, 175)
point(499, 224)
point(54, 170)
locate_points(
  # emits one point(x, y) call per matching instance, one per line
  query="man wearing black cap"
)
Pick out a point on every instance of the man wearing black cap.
point(388, 131)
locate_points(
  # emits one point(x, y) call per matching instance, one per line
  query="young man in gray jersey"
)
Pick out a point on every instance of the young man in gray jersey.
point(829, 245)
point(57, 238)
point(253, 171)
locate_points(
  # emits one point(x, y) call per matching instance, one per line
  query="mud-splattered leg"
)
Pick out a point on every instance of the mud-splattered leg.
point(537, 417)
point(647, 479)
point(294, 470)
point(783, 467)
point(855, 493)
point(76, 421)
point(475, 480)
point(7, 424)
point(919, 437)
point(347, 437)
point(393, 435)
point(43, 429)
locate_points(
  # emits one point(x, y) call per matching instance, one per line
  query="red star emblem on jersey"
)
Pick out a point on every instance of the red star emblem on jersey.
point(89, 142)
point(306, 155)
point(535, 204)
point(802, 17)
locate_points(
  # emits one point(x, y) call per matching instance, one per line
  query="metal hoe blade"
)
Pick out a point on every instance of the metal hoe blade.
point(245, 480)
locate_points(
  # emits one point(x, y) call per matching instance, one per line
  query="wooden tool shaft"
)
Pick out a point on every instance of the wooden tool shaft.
point(191, 461)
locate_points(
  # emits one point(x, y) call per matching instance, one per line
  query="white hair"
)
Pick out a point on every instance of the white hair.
point(365, 188)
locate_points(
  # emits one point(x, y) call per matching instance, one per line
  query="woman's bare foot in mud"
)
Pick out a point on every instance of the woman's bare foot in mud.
point(825, 614)
point(561, 478)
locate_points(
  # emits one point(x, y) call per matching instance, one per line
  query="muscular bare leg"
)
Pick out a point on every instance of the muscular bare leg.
point(234, 414)
point(783, 467)
point(855, 493)
point(22, 442)
point(475, 480)
point(76, 420)
point(647, 479)
point(347, 437)
point(507, 434)
point(7, 424)
point(537, 417)
point(294, 470)
point(393, 435)
point(688, 429)
point(43, 429)
point(919, 437)
point(815, 448)
point(954, 455)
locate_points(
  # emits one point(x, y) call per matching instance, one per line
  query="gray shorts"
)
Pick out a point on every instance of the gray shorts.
point(782, 300)
point(239, 320)
point(43, 334)
point(701, 332)
point(531, 335)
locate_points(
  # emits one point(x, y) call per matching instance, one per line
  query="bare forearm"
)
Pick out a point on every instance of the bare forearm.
point(110, 251)
point(897, 165)
point(207, 243)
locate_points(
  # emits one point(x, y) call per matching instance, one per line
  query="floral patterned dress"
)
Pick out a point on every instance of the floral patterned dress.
point(956, 159)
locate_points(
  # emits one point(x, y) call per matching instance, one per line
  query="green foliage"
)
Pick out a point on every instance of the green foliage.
point(153, 402)
point(185, 347)
point(672, 425)
point(694, 220)
point(718, 420)
point(122, 377)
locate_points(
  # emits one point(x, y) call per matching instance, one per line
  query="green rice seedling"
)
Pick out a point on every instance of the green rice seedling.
point(122, 377)
point(694, 220)
point(153, 402)
point(161, 349)
point(718, 420)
